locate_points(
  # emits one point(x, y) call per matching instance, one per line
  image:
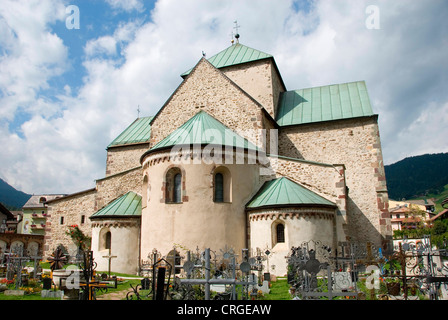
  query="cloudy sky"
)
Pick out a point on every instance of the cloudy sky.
point(69, 86)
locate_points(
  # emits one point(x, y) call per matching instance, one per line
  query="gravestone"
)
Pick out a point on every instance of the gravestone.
point(342, 281)
point(264, 287)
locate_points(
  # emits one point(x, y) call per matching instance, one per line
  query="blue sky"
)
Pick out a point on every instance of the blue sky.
point(66, 93)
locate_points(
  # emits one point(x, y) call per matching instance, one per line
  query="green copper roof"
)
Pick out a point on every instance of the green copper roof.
point(138, 132)
point(128, 205)
point(333, 102)
point(233, 55)
point(203, 129)
point(284, 192)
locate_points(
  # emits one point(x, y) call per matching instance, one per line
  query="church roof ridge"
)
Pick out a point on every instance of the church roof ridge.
point(285, 192)
point(235, 54)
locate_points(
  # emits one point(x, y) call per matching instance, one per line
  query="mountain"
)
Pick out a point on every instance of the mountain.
point(417, 176)
point(12, 198)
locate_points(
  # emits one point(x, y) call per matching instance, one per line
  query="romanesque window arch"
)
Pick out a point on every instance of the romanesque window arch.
point(105, 240)
point(174, 182)
point(278, 232)
point(222, 185)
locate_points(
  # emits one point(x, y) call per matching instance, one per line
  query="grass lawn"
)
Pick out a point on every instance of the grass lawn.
point(279, 291)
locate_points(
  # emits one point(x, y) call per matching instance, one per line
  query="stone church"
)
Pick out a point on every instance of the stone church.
point(235, 159)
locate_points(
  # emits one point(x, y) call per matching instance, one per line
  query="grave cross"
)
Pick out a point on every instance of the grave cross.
point(16, 260)
point(57, 260)
point(36, 260)
point(208, 280)
point(109, 257)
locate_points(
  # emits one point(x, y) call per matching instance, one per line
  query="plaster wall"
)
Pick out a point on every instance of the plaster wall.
point(198, 221)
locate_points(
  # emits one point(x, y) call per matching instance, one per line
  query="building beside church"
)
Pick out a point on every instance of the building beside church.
point(235, 159)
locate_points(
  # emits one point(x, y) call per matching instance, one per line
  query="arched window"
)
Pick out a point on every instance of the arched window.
point(105, 239)
point(108, 240)
point(173, 186)
point(280, 233)
point(177, 192)
point(219, 187)
point(222, 185)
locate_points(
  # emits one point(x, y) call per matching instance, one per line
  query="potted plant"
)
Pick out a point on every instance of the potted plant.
point(393, 286)
point(46, 279)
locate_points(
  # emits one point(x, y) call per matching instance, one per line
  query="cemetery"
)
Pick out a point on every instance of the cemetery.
point(415, 270)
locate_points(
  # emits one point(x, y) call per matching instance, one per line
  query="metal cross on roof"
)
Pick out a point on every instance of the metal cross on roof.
point(237, 35)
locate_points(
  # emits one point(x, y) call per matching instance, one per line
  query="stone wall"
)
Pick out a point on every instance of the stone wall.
point(208, 89)
point(31, 242)
point(111, 187)
point(356, 144)
point(123, 158)
point(260, 80)
point(74, 206)
point(64, 212)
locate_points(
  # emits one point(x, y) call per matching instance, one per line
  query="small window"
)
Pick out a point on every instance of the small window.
point(108, 240)
point(173, 186)
point(219, 187)
point(222, 185)
point(83, 219)
point(177, 192)
point(61, 220)
point(42, 200)
point(280, 230)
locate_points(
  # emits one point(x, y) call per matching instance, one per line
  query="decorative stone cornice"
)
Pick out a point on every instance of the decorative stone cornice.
point(195, 155)
point(126, 223)
point(291, 213)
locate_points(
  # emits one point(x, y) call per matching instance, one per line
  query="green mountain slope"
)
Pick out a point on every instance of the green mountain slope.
point(12, 198)
point(417, 176)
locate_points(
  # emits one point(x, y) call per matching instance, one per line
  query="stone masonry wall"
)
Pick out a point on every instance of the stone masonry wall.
point(326, 180)
point(71, 208)
point(260, 80)
point(123, 158)
point(111, 187)
point(356, 144)
point(86, 203)
point(206, 88)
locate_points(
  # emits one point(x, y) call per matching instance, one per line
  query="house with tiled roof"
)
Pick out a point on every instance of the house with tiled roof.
point(234, 159)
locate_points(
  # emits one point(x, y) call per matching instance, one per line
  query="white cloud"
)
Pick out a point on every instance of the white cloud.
point(104, 45)
point(32, 54)
point(62, 146)
point(126, 5)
